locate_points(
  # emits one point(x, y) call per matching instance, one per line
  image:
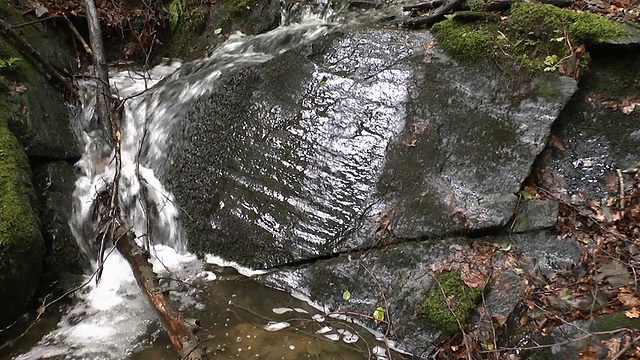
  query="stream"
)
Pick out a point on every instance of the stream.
point(240, 318)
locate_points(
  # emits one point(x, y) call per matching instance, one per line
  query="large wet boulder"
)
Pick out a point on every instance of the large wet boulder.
point(54, 183)
point(21, 244)
point(35, 129)
point(600, 132)
point(334, 144)
point(37, 113)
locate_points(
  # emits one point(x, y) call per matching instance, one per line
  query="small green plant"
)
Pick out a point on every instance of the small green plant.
point(10, 63)
point(551, 63)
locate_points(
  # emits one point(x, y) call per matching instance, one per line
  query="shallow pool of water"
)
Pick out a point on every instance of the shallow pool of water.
point(239, 319)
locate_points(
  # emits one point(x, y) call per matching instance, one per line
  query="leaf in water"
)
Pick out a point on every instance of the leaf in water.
point(217, 31)
point(346, 295)
point(324, 330)
point(281, 310)
point(378, 315)
point(334, 337)
point(276, 326)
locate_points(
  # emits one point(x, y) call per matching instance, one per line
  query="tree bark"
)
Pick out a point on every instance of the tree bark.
point(181, 334)
point(439, 14)
point(103, 94)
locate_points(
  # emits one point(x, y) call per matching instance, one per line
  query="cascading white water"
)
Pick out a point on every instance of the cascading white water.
point(112, 320)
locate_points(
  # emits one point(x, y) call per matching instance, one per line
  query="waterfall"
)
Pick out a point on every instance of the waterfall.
point(112, 320)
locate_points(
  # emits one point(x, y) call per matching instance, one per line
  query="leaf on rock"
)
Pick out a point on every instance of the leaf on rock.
point(627, 298)
point(411, 143)
point(557, 142)
point(346, 295)
point(612, 345)
point(500, 320)
point(378, 315)
point(384, 224)
point(632, 313)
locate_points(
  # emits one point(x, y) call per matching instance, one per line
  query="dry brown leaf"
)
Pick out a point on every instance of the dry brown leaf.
point(632, 313)
point(472, 277)
point(384, 224)
point(587, 354)
point(411, 143)
point(627, 298)
point(612, 345)
point(557, 142)
point(429, 45)
point(500, 320)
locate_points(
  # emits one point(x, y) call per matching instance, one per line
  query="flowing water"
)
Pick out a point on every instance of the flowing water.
point(241, 318)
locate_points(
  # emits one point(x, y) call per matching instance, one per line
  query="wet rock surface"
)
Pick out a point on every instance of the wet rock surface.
point(302, 156)
point(54, 184)
point(40, 121)
point(598, 139)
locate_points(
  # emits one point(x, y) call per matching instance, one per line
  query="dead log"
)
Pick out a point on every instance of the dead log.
point(450, 6)
point(50, 71)
point(103, 95)
point(423, 6)
point(438, 15)
point(181, 334)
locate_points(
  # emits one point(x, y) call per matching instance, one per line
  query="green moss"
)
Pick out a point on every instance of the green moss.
point(545, 19)
point(532, 35)
point(461, 298)
point(176, 9)
point(236, 7)
point(463, 41)
point(186, 19)
point(21, 244)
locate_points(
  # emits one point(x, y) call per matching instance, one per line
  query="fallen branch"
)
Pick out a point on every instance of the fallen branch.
point(50, 72)
point(182, 335)
point(438, 15)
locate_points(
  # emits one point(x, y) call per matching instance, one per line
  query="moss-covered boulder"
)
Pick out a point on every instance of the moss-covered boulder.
point(449, 303)
point(533, 37)
point(36, 112)
point(21, 244)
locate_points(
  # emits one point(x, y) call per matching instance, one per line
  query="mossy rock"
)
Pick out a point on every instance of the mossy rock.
point(460, 298)
point(187, 19)
point(21, 243)
point(532, 38)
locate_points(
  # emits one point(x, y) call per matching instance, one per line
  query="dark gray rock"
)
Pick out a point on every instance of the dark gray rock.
point(598, 140)
point(535, 214)
point(307, 154)
point(54, 185)
point(41, 122)
point(475, 138)
point(398, 278)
